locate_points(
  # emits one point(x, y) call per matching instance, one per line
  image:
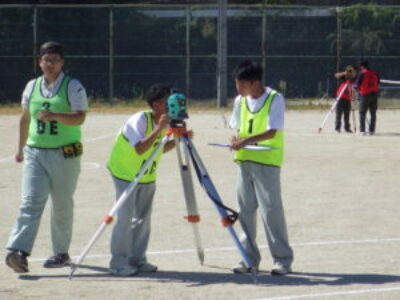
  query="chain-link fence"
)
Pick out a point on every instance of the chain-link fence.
point(117, 51)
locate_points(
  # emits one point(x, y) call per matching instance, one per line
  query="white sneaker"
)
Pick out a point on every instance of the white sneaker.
point(124, 271)
point(362, 133)
point(147, 267)
point(279, 269)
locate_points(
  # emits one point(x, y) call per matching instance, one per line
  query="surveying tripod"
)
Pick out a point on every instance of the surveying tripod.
point(180, 134)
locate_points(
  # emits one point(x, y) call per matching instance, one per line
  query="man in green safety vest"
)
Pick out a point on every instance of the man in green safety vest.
point(53, 110)
point(134, 144)
point(258, 115)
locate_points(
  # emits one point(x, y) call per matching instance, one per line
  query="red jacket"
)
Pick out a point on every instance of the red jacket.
point(347, 94)
point(369, 82)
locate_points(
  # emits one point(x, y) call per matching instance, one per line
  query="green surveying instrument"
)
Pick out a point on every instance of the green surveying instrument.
point(176, 108)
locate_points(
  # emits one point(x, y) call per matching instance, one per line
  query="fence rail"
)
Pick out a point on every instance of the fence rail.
point(117, 51)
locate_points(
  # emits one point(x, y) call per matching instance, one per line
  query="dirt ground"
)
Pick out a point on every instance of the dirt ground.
point(341, 201)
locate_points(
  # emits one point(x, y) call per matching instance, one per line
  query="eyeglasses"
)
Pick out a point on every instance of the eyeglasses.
point(51, 61)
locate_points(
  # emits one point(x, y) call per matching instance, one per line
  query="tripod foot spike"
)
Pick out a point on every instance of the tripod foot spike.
point(73, 269)
point(200, 253)
point(254, 273)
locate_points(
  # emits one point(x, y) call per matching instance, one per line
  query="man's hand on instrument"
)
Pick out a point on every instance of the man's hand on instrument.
point(164, 121)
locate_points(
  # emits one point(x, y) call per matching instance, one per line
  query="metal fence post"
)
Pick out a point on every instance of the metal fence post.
point(187, 75)
point(264, 40)
point(111, 56)
point(338, 37)
point(222, 54)
point(34, 33)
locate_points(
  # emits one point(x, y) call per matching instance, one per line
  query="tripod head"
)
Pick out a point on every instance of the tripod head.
point(176, 109)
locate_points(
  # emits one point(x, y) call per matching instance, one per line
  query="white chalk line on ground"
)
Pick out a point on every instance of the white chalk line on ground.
point(90, 165)
point(5, 159)
point(218, 249)
point(86, 165)
point(10, 158)
point(330, 294)
point(326, 135)
point(102, 137)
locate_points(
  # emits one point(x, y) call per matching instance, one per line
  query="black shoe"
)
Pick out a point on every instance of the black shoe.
point(57, 261)
point(17, 261)
point(349, 131)
point(242, 269)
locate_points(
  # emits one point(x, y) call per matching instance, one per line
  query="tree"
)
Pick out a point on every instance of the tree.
point(367, 30)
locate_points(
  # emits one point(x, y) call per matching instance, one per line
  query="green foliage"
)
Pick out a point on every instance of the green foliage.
point(137, 92)
point(366, 29)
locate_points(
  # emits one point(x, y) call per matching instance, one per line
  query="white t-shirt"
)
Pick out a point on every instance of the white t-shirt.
point(76, 93)
point(135, 128)
point(277, 112)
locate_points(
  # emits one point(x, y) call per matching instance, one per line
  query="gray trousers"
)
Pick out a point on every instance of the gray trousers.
point(46, 172)
point(131, 233)
point(259, 187)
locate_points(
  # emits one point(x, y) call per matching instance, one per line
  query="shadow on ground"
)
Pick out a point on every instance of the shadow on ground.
point(208, 278)
point(388, 134)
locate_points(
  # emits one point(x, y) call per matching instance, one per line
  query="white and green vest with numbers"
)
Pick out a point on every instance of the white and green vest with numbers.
point(51, 134)
point(125, 163)
point(256, 123)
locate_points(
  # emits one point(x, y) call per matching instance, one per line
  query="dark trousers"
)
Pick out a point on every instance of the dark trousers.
point(343, 108)
point(368, 103)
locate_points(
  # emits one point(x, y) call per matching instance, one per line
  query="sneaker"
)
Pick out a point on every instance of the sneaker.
point(17, 261)
point(124, 271)
point(362, 133)
point(349, 131)
point(57, 261)
point(279, 269)
point(242, 269)
point(147, 267)
point(371, 133)
point(337, 130)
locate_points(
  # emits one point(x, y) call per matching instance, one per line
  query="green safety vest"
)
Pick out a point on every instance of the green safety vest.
point(51, 134)
point(256, 123)
point(125, 163)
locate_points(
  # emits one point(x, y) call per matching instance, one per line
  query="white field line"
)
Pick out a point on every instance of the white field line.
point(86, 165)
point(102, 137)
point(94, 139)
point(6, 159)
point(221, 249)
point(330, 294)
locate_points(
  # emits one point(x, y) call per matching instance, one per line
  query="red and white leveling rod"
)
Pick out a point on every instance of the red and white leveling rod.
point(333, 106)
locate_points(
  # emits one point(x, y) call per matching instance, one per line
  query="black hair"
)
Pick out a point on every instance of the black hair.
point(51, 48)
point(157, 92)
point(351, 67)
point(364, 63)
point(248, 70)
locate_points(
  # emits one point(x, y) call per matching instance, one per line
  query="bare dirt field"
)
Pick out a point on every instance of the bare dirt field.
point(341, 199)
